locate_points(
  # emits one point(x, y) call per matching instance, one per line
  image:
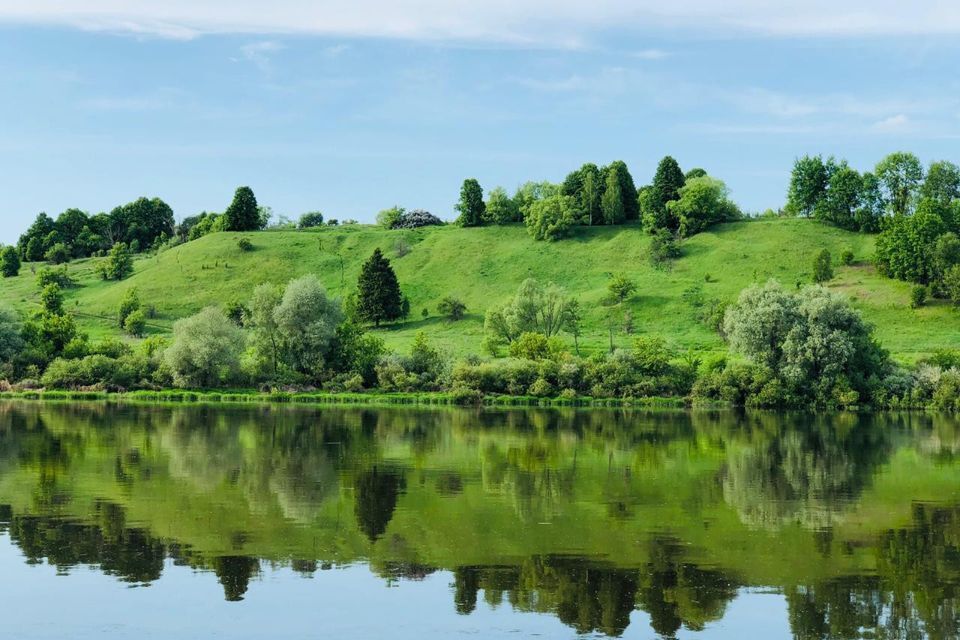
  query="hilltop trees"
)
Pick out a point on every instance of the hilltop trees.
point(140, 224)
point(243, 214)
point(501, 208)
point(611, 202)
point(378, 291)
point(900, 175)
point(701, 203)
point(667, 182)
point(471, 206)
point(551, 218)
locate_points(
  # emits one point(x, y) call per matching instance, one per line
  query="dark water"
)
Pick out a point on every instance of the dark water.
point(192, 522)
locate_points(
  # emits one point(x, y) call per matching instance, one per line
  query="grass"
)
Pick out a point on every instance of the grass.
point(485, 266)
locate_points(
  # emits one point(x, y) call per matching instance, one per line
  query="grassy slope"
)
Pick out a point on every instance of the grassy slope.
point(484, 266)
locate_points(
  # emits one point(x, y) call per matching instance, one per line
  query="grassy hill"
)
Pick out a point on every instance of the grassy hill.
point(485, 266)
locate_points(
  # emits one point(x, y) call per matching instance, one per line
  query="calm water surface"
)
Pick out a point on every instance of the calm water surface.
point(268, 522)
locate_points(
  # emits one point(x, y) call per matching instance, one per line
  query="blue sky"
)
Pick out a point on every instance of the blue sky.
point(351, 109)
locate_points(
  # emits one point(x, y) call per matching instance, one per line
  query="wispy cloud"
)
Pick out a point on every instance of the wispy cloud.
point(895, 123)
point(260, 52)
point(563, 23)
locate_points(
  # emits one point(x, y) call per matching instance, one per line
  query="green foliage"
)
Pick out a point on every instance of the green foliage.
point(244, 244)
point(58, 253)
point(471, 207)
point(611, 203)
point(453, 308)
point(388, 218)
point(117, 265)
point(205, 350)
point(136, 323)
point(129, 304)
point(627, 191)
point(847, 257)
point(11, 343)
point(822, 267)
point(310, 220)
point(140, 223)
point(9, 262)
point(243, 214)
point(663, 248)
point(900, 175)
point(918, 296)
point(97, 371)
point(951, 284)
point(621, 287)
point(531, 346)
point(808, 183)
point(501, 208)
point(813, 341)
point(905, 247)
point(534, 309)
point(306, 321)
point(378, 291)
point(552, 218)
point(942, 182)
point(666, 186)
point(263, 332)
point(702, 203)
point(530, 192)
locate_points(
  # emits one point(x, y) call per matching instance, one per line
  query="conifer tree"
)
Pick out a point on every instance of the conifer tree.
point(243, 214)
point(471, 206)
point(378, 291)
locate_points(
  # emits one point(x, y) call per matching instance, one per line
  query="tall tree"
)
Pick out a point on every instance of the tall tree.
point(471, 206)
point(900, 173)
point(243, 214)
point(842, 199)
point(667, 181)
point(307, 320)
point(501, 209)
point(141, 222)
point(378, 291)
point(942, 182)
point(9, 262)
point(33, 243)
point(611, 203)
point(628, 190)
point(590, 193)
point(808, 183)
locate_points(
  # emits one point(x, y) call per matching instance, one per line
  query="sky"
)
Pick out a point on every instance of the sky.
point(352, 107)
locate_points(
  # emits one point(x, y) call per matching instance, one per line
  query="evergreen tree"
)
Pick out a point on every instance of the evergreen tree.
point(378, 291)
point(628, 190)
point(471, 206)
point(611, 204)
point(667, 181)
point(243, 214)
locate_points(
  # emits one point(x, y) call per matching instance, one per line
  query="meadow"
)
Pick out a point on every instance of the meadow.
point(484, 266)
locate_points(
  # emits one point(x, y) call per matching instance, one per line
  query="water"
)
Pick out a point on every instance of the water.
point(260, 522)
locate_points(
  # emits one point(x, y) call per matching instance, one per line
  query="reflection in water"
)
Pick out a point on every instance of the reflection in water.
point(587, 516)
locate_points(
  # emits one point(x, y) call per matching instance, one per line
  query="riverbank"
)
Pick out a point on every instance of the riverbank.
point(371, 399)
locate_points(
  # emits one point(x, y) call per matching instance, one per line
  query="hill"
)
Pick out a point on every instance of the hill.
point(484, 266)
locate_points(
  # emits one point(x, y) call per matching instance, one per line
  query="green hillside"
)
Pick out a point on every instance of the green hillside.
point(484, 266)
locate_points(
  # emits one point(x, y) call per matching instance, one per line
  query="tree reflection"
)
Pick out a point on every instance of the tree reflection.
point(377, 492)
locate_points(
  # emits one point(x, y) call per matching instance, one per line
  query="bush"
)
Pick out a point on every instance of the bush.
point(847, 257)
point(244, 244)
point(58, 276)
point(118, 263)
point(136, 323)
point(59, 253)
point(388, 218)
point(663, 248)
point(453, 308)
point(918, 296)
point(822, 267)
point(551, 218)
point(129, 304)
point(9, 262)
point(532, 346)
point(417, 218)
point(111, 374)
point(310, 219)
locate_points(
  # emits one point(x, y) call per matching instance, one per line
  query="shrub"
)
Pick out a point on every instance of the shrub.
point(822, 267)
point(9, 262)
point(530, 345)
point(136, 323)
point(847, 257)
point(453, 308)
point(417, 218)
point(310, 219)
point(58, 276)
point(205, 351)
point(388, 218)
point(918, 296)
point(112, 374)
point(551, 218)
point(129, 304)
point(118, 263)
point(244, 244)
point(59, 253)
point(663, 248)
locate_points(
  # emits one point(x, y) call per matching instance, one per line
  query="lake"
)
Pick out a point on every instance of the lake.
point(283, 522)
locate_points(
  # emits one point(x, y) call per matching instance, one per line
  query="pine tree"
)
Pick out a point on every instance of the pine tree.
point(378, 291)
point(243, 214)
point(667, 181)
point(471, 206)
point(611, 204)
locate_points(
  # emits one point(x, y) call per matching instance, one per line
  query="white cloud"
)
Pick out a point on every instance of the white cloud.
point(898, 122)
point(259, 52)
point(567, 23)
